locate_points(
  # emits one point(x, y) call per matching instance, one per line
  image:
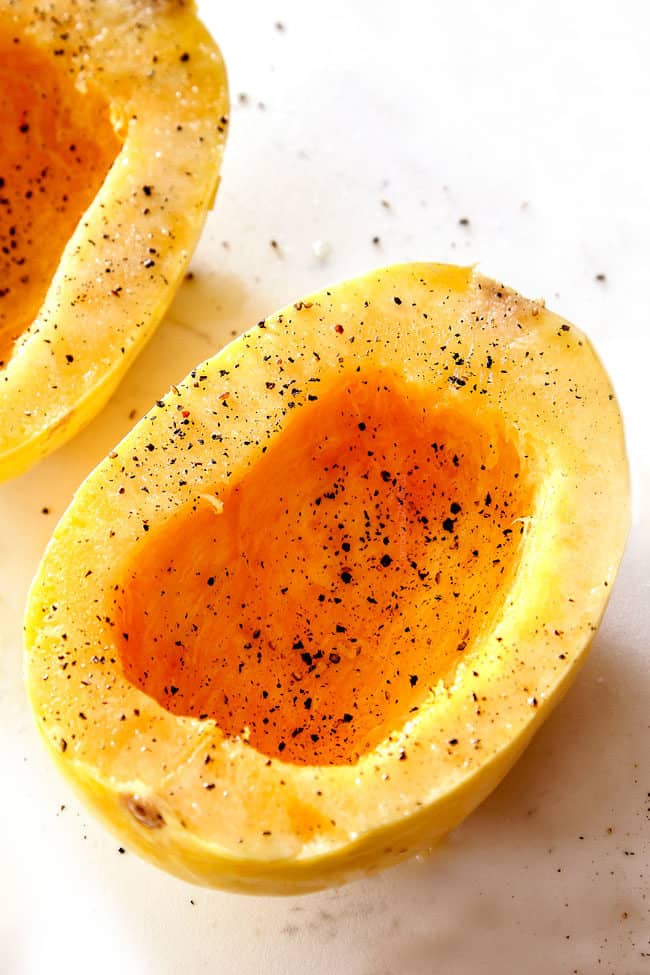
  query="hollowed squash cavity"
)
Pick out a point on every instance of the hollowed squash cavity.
point(57, 146)
point(306, 616)
point(337, 582)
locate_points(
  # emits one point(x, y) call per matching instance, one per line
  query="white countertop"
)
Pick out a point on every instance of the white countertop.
point(531, 122)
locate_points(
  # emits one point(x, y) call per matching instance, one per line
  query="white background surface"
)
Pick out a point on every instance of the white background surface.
point(531, 121)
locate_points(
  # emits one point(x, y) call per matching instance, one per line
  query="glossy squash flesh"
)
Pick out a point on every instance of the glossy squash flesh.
point(113, 119)
point(309, 612)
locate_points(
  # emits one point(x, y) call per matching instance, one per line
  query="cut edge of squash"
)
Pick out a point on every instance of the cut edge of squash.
point(435, 797)
point(56, 380)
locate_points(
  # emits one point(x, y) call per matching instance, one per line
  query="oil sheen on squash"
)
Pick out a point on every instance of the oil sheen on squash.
point(57, 144)
point(346, 574)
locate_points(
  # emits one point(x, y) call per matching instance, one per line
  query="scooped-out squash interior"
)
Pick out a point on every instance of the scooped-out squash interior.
point(308, 613)
point(57, 147)
point(113, 120)
point(390, 528)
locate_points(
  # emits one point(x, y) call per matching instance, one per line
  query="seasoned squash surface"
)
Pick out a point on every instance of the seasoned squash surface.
point(308, 613)
point(337, 581)
point(56, 151)
point(113, 119)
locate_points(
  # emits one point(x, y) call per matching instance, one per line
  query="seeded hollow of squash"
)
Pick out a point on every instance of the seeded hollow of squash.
point(308, 613)
point(113, 120)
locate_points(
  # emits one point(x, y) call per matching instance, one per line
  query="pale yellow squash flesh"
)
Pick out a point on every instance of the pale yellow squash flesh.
point(114, 119)
point(181, 743)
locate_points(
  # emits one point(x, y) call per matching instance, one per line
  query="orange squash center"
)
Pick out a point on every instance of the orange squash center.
point(57, 144)
point(349, 572)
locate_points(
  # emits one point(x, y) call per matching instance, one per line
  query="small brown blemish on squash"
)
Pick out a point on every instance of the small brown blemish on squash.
point(144, 811)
